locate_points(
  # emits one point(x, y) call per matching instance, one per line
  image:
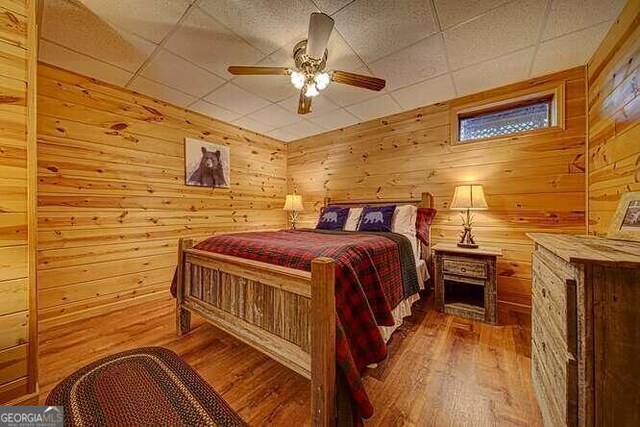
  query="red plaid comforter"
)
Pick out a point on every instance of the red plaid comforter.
point(369, 284)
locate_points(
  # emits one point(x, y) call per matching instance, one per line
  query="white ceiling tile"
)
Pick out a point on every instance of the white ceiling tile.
point(265, 24)
point(171, 70)
point(303, 128)
point(74, 26)
point(335, 119)
point(493, 73)
point(341, 56)
point(253, 125)
point(378, 107)
point(568, 51)
point(455, 12)
point(151, 19)
point(505, 29)
point(281, 135)
point(420, 61)
point(425, 93)
point(275, 116)
point(376, 28)
point(320, 104)
point(331, 6)
point(236, 99)
point(566, 16)
point(209, 44)
point(70, 60)
point(158, 91)
point(214, 111)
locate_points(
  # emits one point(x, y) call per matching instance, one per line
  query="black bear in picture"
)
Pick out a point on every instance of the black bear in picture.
point(210, 172)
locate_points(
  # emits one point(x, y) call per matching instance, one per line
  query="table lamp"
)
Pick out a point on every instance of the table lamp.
point(469, 198)
point(293, 205)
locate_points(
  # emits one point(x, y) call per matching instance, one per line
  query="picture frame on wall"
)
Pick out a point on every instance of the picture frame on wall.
point(625, 224)
point(207, 164)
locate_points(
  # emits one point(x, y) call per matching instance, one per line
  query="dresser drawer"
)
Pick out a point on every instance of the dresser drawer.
point(464, 267)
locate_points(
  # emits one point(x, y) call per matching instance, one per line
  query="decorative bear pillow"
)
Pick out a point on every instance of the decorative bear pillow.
point(332, 218)
point(376, 218)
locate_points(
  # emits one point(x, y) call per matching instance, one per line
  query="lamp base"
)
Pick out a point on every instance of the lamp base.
point(466, 238)
point(468, 245)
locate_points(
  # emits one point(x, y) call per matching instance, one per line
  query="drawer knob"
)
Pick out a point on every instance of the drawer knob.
point(544, 292)
point(463, 269)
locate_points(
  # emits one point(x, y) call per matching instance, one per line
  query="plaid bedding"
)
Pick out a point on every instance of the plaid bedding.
point(374, 273)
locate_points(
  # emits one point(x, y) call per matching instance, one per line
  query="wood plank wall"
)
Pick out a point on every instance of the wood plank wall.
point(111, 196)
point(614, 118)
point(17, 181)
point(533, 182)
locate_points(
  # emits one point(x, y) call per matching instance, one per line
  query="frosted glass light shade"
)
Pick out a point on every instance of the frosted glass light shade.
point(293, 202)
point(469, 197)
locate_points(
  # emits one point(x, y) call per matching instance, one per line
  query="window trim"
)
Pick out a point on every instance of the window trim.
point(554, 92)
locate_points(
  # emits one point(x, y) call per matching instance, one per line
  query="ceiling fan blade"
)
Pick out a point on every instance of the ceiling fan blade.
point(249, 71)
point(320, 27)
point(353, 79)
point(304, 104)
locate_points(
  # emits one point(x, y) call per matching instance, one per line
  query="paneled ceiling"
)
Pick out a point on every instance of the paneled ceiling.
point(427, 50)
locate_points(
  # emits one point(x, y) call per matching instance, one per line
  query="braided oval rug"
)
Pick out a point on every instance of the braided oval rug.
point(149, 386)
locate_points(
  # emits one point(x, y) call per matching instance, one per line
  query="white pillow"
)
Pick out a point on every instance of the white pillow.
point(404, 220)
point(353, 218)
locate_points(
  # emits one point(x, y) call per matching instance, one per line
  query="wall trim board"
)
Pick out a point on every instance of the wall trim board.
point(613, 151)
point(18, 347)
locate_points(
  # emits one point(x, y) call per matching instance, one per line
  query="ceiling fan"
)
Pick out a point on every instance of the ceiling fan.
point(310, 57)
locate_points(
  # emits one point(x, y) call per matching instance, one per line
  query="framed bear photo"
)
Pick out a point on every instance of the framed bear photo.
point(625, 224)
point(206, 164)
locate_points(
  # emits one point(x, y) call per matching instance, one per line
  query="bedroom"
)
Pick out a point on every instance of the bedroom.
point(112, 111)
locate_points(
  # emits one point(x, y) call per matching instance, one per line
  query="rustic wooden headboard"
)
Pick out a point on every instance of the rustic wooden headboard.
point(426, 201)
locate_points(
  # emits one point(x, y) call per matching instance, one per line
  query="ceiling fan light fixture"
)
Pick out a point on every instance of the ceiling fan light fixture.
point(311, 90)
point(322, 80)
point(297, 79)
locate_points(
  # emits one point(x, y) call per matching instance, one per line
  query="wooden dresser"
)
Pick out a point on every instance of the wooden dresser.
point(586, 330)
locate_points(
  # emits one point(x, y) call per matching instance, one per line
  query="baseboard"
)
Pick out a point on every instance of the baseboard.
point(31, 399)
point(510, 313)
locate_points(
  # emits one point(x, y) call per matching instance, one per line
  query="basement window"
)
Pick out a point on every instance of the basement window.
point(518, 118)
point(525, 112)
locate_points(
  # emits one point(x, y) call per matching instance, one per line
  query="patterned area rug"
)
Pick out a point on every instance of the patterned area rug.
point(148, 386)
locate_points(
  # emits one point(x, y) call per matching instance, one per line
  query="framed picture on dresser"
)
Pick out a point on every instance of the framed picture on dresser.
point(625, 224)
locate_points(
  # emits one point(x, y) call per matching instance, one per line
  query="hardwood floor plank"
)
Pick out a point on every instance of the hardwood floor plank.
point(441, 370)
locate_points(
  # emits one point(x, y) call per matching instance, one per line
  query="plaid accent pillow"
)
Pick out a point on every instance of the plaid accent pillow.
point(332, 218)
point(376, 218)
point(424, 218)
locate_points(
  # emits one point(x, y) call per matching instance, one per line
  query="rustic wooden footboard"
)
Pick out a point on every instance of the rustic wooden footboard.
point(285, 313)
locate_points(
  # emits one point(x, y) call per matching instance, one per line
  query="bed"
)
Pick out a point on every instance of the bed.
point(270, 290)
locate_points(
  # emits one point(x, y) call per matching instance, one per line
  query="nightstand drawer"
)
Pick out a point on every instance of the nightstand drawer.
point(464, 267)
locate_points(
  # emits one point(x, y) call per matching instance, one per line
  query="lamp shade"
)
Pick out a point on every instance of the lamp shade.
point(293, 202)
point(469, 197)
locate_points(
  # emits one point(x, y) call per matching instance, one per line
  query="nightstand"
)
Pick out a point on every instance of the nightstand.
point(466, 281)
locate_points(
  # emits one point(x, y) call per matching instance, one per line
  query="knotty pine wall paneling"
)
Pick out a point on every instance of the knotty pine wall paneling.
point(533, 182)
point(614, 118)
point(112, 202)
point(18, 334)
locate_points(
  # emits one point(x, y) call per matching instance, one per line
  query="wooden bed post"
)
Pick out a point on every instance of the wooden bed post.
point(323, 342)
point(427, 200)
point(183, 316)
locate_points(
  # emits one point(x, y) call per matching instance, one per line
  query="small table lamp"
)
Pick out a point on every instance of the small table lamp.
point(293, 205)
point(469, 198)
